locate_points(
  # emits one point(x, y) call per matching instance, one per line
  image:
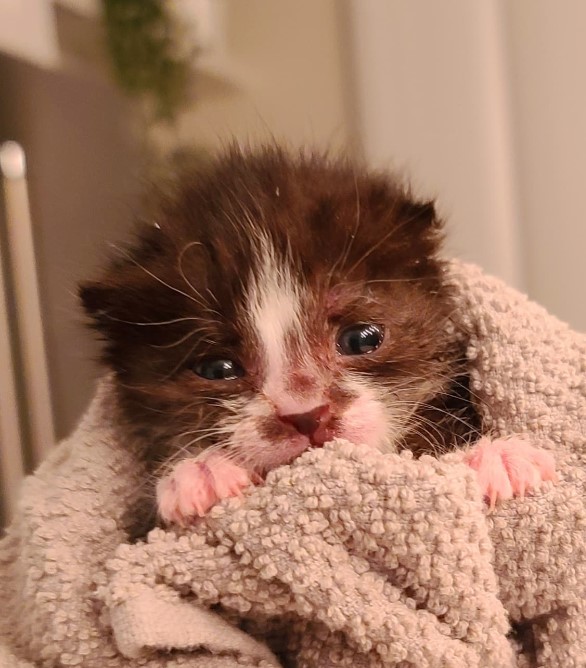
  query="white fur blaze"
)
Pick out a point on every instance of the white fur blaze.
point(273, 308)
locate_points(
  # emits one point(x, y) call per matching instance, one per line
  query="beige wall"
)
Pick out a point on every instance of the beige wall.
point(548, 60)
point(432, 101)
point(27, 31)
point(484, 105)
point(275, 69)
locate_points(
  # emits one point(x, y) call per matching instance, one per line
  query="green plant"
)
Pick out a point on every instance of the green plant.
point(141, 40)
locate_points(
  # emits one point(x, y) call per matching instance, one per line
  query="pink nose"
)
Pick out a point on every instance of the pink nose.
point(313, 423)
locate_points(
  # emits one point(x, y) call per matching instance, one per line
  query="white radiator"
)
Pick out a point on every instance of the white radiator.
point(26, 414)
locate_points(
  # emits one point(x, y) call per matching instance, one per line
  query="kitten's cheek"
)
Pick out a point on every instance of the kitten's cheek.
point(365, 423)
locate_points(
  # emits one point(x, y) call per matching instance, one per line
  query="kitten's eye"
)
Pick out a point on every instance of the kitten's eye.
point(360, 339)
point(217, 369)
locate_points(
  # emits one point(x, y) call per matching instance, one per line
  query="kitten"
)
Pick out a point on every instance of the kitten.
point(276, 302)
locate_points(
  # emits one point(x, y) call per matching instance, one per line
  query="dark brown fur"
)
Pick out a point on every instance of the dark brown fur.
point(365, 246)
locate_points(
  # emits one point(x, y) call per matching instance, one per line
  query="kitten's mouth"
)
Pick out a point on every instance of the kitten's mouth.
point(321, 436)
point(318, 434)
point(315, 440)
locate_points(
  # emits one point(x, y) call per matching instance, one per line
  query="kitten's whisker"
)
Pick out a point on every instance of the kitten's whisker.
point(158, 279)
point(152, 324)
point(180, 341)
point(341, 261)
point(379, 243)
point(183, 360)
point(188, 283)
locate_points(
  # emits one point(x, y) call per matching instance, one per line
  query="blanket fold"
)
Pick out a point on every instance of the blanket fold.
point(389, 554)
point(343, 558)
point(146, 623)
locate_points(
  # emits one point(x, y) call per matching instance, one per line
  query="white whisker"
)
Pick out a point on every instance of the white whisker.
point(158, 279)
point(181, 340)
point(152, 324)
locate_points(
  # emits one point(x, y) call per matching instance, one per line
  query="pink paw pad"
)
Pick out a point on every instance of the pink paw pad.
point(509, 467)
point(195, 486)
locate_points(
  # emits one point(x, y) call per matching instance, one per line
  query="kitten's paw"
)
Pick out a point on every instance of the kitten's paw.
point(194, 486)
point(509, 467)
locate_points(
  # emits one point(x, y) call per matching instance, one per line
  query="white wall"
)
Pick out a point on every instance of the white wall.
point(484, 104)
point(547, 59)
point(433, 101)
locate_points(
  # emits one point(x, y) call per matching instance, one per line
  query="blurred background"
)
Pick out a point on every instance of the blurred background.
point(481, 104)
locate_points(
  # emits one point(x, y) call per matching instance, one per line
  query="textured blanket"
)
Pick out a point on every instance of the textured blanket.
point(344, 558)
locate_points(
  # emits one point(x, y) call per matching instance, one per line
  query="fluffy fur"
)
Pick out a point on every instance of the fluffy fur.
point(263, 259)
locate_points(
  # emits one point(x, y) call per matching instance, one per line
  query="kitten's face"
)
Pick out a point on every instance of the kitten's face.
point(275, 304)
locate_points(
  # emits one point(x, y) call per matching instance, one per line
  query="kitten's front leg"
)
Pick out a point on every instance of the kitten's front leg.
point(509, 467)
point(196, 485)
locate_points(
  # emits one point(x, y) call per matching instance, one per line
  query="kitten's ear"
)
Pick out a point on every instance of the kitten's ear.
point(383, 197)
point(97, 300)
point(420, 215)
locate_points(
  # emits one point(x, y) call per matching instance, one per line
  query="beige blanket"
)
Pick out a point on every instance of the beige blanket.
point(342, 559)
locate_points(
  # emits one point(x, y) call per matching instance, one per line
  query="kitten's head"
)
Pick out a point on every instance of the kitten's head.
point(273, 303)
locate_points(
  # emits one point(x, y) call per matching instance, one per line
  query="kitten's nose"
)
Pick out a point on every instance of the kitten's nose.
point(312, 424)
